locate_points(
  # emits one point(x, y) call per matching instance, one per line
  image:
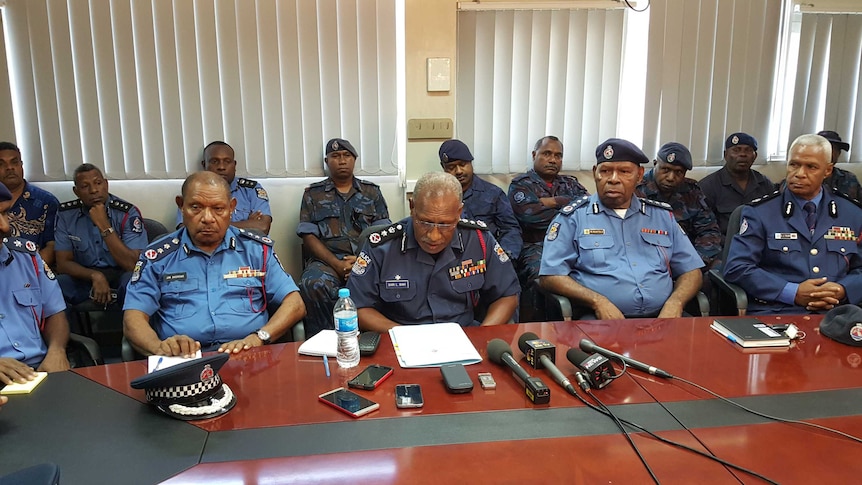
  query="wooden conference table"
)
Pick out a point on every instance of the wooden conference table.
point(99, 430)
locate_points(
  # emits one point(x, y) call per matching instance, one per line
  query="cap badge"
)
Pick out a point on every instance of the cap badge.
point(671, 157)
point(609, 152)
point(734, 140)
point(334, 145)
point(856, 332)
point(445, 158)
point(207, 373)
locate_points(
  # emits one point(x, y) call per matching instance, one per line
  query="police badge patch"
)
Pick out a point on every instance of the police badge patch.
point(137, 225)
point(261, 193)
point(48, 272)
point(519, 197)
point(744, 226)
point(136, 273)
point(361, 264)
point(501, 254)
point(553, 231)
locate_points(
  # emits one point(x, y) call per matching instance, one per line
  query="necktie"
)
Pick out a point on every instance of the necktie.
point(810, 215)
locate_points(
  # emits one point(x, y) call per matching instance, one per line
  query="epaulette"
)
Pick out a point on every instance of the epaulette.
point(120, 204)
point(72, 204)
point(520, 176)
point(21, 244)
point(255, 236)
point(393, 231)
point(657, 203)
point(471, 224)
point(763, 199)
point(161, 248)
point(247, 183)
point(365, 182)
point(320, 183)
point(571, 206)
point(837, 192)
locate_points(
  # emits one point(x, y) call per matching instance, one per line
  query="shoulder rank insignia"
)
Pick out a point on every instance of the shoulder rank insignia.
point(247, 183)
point(21, 244)
point(255, 236)
point(386, 234)
point(570, 208)
point(72, 204)
point(161, 248)
point(656, 203)
point(835, 191)
point(120, 204)
point(471, 224)
point(763, 199)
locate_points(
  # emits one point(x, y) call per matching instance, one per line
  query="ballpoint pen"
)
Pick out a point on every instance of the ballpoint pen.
point(326, 364)
point(158, 363)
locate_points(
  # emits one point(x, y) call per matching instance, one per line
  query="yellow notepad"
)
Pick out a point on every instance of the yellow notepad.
point(26, 388)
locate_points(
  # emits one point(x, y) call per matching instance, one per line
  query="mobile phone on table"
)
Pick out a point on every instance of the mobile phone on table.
point(348, 402)
point(370, 377)
point(456, 379)
point(409, 396)
point(368, 342)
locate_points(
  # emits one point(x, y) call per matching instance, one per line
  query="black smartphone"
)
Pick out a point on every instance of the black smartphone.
point(368, 342)
point(370, 377)
point(456, 379)
point(409, 396)
point(348, 402)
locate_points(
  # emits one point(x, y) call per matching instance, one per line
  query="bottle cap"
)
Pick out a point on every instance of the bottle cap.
point(344, 293)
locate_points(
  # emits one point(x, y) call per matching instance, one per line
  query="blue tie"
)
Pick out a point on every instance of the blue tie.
point(810, 215)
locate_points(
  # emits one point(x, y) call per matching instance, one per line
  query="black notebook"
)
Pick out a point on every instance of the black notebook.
point(750, 332)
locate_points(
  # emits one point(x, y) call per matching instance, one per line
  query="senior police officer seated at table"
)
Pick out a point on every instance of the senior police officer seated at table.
point(33, 326)
point(433, 267)
point(208, 284)
point(797, 249)
point(616, 254)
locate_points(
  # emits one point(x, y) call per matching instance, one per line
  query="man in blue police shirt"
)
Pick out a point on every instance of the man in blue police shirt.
point(252, 202)
point(483, 201)
point(33, 326)
point(98, 240)
point(789, 261)
point(616, 254)
point(433, 267)
point(208, 284)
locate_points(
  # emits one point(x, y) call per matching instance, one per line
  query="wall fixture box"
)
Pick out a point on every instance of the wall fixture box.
point(439, 75)
point(429, 128)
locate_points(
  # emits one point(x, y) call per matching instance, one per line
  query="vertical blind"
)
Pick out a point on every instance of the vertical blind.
point(526, 74)
point(138, 87)
point(711, 71)
point(828, 81)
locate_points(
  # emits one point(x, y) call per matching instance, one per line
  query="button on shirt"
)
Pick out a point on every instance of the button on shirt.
point(250, 197)
point(409, 286)
point(33, 215)
point(632, 261)
point(24, 295)
point(76, 232)
point(211, 298)
point(484, 201)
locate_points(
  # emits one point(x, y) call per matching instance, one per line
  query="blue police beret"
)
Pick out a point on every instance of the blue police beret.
point(740, 139)
point(843, 324)
point(619, 150)
point(835, 139)
point(337, 144)
point(5, 195)
point(190, 390)
point(454, 150)
point(675, 154)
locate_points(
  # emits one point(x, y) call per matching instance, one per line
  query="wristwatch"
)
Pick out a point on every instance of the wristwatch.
point(264, 336)
point(107, 232)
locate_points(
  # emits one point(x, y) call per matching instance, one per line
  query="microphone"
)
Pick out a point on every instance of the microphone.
point(597, 369)
point(500, 353)
point(541, 353)
point(588, 346)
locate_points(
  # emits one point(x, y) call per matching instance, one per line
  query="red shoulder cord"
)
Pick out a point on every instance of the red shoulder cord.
point(474, 296)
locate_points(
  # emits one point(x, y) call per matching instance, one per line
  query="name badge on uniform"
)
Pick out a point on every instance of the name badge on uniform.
point(398, 284)
point(594, 232)
point(175, 277)
point(786, 236)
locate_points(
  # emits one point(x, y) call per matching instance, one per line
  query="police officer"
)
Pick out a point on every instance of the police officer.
point(252, 202)
point(536, 197)
point(667, 183)
point(98, 240)
point(433, 267)
point(841, 180)
point(789, 261)
point(333, 214)
point(735, 183)
point(34, 210)
point(208, 284)
point(483, 201)
point(33, 326)
point(619, 255)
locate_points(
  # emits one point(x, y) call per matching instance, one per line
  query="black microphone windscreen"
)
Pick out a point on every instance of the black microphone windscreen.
point(576, 356)
point(496, 349)
point(522, 341)
point(587, 346)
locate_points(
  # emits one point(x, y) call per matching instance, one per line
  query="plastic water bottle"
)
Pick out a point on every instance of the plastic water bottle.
point(347, 328)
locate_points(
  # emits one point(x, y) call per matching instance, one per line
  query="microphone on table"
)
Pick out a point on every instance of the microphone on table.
point(500, 353)
point(596, 368)
point(588, 346)
point(542, 353)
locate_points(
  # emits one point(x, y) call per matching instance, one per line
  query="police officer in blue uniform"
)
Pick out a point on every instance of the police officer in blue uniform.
point(208, 285)
point(252, 202)
point(789, 261)
point(432, 267)
point(483, 201)
point(616, 254)
point(33, 326)
point(98, 240)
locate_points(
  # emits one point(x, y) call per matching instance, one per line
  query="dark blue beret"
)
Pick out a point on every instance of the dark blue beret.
point(740, 139)
point(190, 390)
point(454, 150)
point(619, 150)
point(675, 154)
point(337, 144)
point(844, 324)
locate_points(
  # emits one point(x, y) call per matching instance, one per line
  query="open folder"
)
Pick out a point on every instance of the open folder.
point(432, 345)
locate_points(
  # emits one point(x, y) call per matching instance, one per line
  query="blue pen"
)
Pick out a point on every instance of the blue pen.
point(158, 363)
point(326, 364)
point(732, 339)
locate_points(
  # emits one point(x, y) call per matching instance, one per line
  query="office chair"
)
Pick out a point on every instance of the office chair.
point(729, 298)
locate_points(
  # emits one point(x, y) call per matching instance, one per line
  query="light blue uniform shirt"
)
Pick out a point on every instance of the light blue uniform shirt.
point(632, 261)
point(211, 298)
point(28, 293)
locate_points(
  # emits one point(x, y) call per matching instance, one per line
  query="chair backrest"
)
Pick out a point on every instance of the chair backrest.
point(155, 229)
point(732, 229)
